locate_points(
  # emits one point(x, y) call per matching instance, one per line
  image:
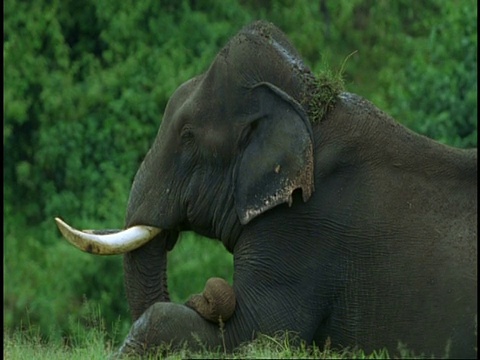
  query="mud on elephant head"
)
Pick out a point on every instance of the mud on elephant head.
point(343, 223)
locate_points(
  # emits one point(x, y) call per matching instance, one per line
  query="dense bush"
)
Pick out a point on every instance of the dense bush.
point(85, 88)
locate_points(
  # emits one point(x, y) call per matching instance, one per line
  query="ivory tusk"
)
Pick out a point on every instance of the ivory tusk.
point(110, 244)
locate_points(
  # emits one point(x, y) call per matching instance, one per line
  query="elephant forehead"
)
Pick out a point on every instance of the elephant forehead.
point(251, 58)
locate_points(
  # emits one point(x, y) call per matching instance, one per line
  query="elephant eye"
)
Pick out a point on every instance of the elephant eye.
point(187, 133)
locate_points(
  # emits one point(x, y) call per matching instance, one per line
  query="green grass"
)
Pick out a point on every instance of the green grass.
point(21, 345)
point(25, 346)
point(322, 90)
point(96, 344)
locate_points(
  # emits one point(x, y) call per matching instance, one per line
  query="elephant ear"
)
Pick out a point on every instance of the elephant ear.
point(278, 157)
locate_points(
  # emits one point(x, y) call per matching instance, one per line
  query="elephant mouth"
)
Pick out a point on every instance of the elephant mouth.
point(108, 242)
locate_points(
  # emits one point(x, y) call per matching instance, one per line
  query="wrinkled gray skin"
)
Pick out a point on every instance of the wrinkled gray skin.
point(350, 227)
point(217, 301)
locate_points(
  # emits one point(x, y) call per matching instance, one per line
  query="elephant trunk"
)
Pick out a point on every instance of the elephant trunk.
point(145, 271)
point(217, 301)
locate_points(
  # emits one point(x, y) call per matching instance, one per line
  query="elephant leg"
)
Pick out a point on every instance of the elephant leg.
point(172, 326)
point(217, 301)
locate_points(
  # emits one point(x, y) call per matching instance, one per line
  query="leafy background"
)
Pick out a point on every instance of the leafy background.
point(85, 87)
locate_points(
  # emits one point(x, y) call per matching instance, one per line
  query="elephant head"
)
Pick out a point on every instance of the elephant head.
point(234, 142)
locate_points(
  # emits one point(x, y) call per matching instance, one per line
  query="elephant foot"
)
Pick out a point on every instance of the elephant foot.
point(216, 303)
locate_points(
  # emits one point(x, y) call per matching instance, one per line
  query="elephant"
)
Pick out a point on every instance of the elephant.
point(345, 226)
point(217, 301)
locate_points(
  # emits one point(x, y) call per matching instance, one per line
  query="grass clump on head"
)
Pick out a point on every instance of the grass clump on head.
point(321, 91)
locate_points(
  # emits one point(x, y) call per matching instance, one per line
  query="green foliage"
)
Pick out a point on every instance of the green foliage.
point(440, 81)
point(85, 88)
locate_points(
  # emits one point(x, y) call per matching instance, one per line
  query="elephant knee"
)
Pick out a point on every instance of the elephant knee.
point(216, 303)
point(168, 326)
